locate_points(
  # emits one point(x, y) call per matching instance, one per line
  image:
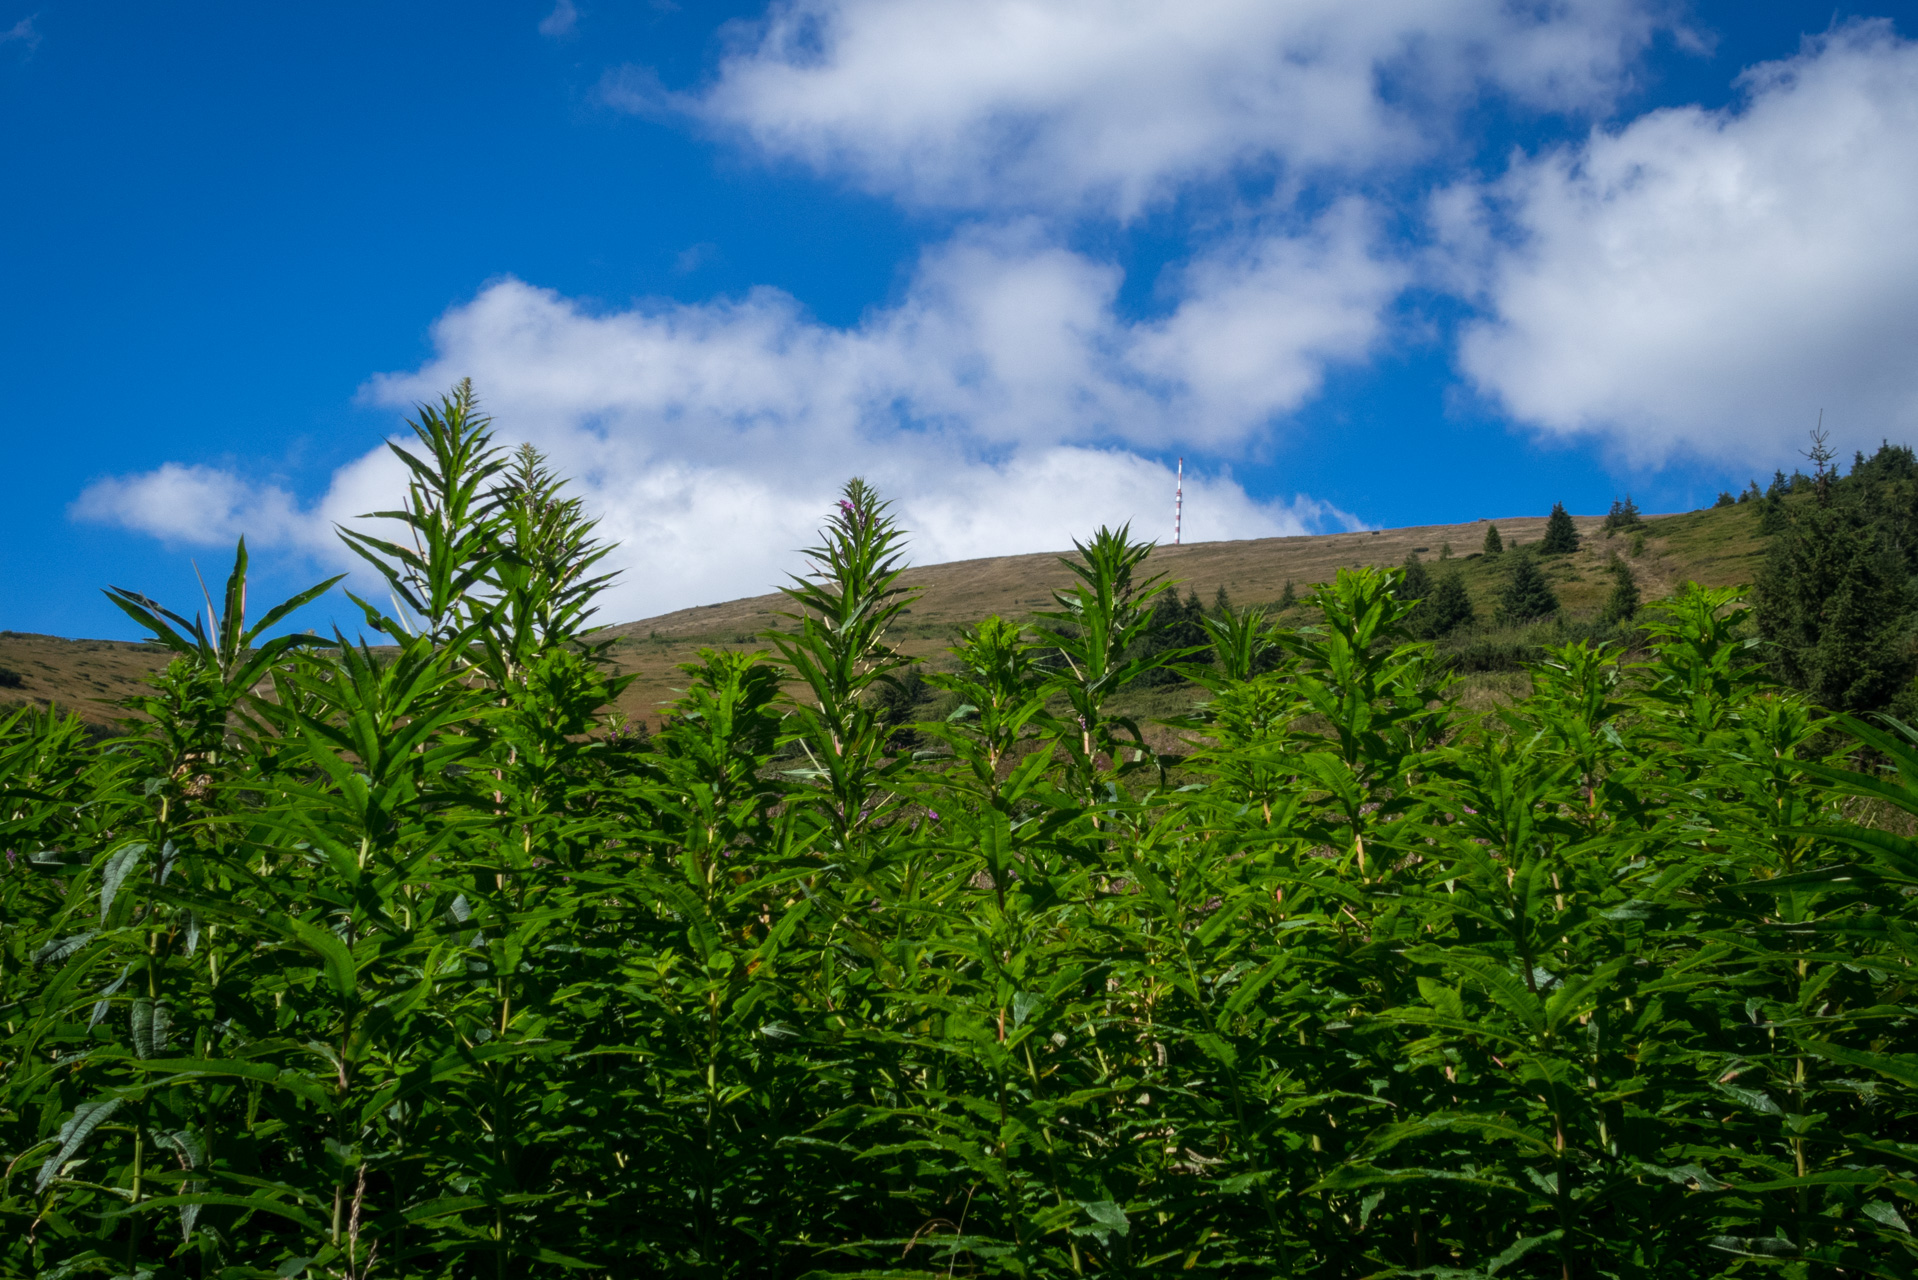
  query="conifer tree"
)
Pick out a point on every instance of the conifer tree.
point(1772, 517)
point(1288, 597)
point(1527, 597)
point(1836, 603)
point(1623, 515)
point(1221, 603)
point(1725, 499)
point(1623, 602)
point(1176, 624)
point(1561, 535)
point(1494, 545)
point(1892, 462)
point(1821, 455)
point(1415, 584)
point(1451, 607)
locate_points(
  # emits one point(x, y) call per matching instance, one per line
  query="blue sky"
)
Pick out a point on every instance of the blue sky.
point(1010, 258)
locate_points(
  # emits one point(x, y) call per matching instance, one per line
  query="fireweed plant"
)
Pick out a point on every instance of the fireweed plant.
point(391, 961)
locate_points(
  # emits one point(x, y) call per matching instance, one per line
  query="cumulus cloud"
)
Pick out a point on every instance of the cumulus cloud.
point(212, 506)
point(1690, 280)
point(1114, 103)
point(1707, 281)
point(1000, 402)
point(196, 505)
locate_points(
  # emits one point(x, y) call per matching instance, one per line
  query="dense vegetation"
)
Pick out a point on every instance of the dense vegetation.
point(1839, 594)
point(397, 962)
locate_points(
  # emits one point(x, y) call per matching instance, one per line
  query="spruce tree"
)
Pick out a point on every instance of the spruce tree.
point(1415, 583)
point(1771, 512)
point(1561, 535)
point(1623, 603)
point(1527, 597)
point(1287, 597)
point(1725, 499)
point(1821, 455)
point(1623, 515)
point(1221, 603)
point(1892, 462)
point(1836, 603)
point(1494, 545)
point(1451, 607)
point(1176, 624)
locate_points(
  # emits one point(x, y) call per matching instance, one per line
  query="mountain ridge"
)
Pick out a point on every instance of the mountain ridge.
point(1714, 546)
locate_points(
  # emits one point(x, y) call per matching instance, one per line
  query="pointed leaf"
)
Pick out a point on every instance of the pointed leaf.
point(118, 867)
point(86, 1117)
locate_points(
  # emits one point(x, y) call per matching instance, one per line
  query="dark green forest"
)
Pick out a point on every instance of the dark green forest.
point(392, 956)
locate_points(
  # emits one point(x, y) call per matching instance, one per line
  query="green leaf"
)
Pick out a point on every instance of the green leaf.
point(86, 1117)
point(1109, 1214)
point(334, 957)
point(257, 1202)
point(57, 949)
point(1901, 1067)
point(150, 1023)
point(118, 867)
point(1518, 1249)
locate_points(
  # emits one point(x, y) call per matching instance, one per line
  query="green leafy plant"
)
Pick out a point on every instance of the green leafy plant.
point(407, 959)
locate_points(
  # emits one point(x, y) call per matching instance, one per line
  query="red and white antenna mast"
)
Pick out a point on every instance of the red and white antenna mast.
point(1178, 504)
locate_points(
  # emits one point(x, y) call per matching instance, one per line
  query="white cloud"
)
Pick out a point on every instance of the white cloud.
point(1262, 316)
point(193, 504)
point(1004, 401)
point(994, 402)
point(563, 21)
point(1708, 281)
point(1113, 103)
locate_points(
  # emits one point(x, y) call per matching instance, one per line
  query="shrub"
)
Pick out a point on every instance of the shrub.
point(1493, 655)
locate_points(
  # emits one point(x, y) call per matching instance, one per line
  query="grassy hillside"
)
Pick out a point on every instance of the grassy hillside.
point(79, 675)
point(1715, 547)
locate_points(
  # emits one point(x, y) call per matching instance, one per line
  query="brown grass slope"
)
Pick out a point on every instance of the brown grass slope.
point(1716, 547)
